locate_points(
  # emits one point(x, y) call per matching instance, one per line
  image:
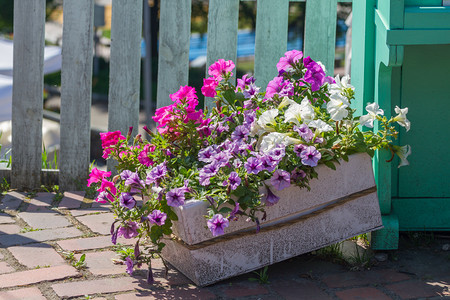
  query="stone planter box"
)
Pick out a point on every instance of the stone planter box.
point(340, 205)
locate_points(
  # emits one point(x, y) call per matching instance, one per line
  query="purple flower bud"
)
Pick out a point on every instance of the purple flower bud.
point(150, 279)
point(114, 236)
point(130, 265)
point(271, 198)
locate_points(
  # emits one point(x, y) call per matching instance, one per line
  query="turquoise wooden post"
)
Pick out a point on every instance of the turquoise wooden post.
point(411, 69)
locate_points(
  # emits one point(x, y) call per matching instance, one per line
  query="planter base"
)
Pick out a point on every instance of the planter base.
point(302, 221)
point(213, 261)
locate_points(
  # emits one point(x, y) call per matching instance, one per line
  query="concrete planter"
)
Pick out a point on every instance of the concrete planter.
point(340, 205)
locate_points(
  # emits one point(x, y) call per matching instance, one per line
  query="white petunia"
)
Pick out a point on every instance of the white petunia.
point(401, 117)
point(403, 152)
point(373, 110)
point(320, 126)
point(340, 85)
point(267, 119)
point(337, 107)
point(298, 113)
point(274, 139)
point(285, 102)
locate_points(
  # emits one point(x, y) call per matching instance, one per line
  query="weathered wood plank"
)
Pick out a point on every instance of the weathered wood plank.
point(76, 86)
point(28, 84)
point(320, 32)
point(125, 65)
point(48, 176)
point(223, 16)
point(271, 38)
point(174, 35)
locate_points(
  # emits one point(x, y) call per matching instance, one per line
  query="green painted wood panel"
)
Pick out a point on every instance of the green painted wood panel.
point(174, 35)
point(28, 84)
point(423, 2)
point(271, 38)
point(76, 87)
point(427, 17)
point(425, 91)
point(320, 32)
point(223, 16)
point(423, 213)
point(392, 12)
point(418, 37)
point(363, 54)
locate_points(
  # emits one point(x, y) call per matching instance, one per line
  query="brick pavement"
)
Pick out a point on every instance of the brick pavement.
point(33, 264)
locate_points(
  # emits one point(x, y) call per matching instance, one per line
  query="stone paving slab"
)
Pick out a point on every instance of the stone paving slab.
point(37, 254)
point(174, 293)
point(44, 219)
point(368, 292)
point(31, 293)
point(72, 200)
point(348, 279)
point(97, 242)
point(100, 223)
point(100, 263)
point(417, 289)
point(89, 211)
point(6, 219)
point(37, 275)
point(98, 286)
point(12, 200)
point(9, 229)
point(5, 268)
point(39, 236)
point(40, 202)
point(300, 290)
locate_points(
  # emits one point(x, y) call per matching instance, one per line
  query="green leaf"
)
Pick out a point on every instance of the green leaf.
point(330, 165)
point(344, 157)
point(225, 210)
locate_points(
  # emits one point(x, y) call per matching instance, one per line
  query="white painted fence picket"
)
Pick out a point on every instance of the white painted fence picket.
point(126, 31)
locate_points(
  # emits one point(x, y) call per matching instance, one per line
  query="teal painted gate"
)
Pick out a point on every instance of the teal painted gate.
point(402, 58)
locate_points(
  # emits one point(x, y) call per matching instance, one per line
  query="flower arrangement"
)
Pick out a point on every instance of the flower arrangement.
point(237, 155)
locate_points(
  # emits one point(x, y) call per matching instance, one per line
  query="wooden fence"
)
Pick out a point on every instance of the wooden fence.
point(126, 34)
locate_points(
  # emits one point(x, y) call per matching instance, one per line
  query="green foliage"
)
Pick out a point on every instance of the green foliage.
point(29, 229)
point(124, 251)
point(332, 253)
point(262, 276)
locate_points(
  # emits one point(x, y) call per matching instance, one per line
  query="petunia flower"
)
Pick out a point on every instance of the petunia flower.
point(129, 263)
point(129, 230)
point(280, 179)
point(126, 200)
point(403, 152)
point(175, 197)
point(373, 110)
point(401, 117)
point(320, 126)
point(97, 176)
point(271, 198)
point(310, 156)
point(217, 224)
point(337, 107)
point(157, 217)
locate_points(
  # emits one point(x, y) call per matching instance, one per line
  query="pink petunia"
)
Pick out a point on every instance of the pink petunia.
point(221, 68)
point(97, 176)
point(209, 87)
point(110, 138)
